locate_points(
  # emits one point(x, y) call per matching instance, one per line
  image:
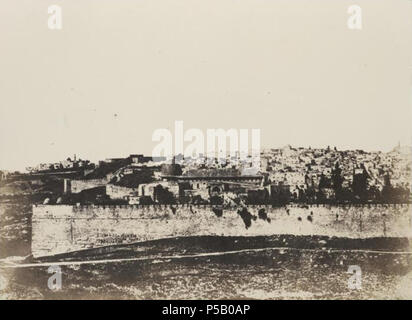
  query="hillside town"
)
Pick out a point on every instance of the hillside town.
point(65, 165)
point(285, 175)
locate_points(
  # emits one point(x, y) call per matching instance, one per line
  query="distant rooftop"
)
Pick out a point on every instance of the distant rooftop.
point(224, 172)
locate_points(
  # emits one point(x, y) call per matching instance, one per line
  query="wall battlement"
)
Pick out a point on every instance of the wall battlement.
point(307, 206)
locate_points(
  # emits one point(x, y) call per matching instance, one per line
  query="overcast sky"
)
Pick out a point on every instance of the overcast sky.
point(118, 70)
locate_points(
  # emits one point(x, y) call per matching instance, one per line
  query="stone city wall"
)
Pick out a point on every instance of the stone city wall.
point(65, 228)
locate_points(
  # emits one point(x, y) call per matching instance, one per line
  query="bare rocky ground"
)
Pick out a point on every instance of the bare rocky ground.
point(248, 275)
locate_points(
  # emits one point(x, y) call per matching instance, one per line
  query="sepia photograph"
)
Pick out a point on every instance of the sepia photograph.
point(227, 150)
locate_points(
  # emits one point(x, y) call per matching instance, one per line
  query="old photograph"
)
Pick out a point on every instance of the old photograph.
point(205, 150)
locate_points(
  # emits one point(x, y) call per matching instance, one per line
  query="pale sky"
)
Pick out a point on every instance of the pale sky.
point(119, 69)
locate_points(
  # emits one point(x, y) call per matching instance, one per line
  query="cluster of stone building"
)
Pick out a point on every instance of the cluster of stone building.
point(142, 180)
point(65, 165)
point(282, 175)
point(301, 168)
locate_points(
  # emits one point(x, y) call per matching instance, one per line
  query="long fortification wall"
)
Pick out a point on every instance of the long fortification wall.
point(63, 228)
